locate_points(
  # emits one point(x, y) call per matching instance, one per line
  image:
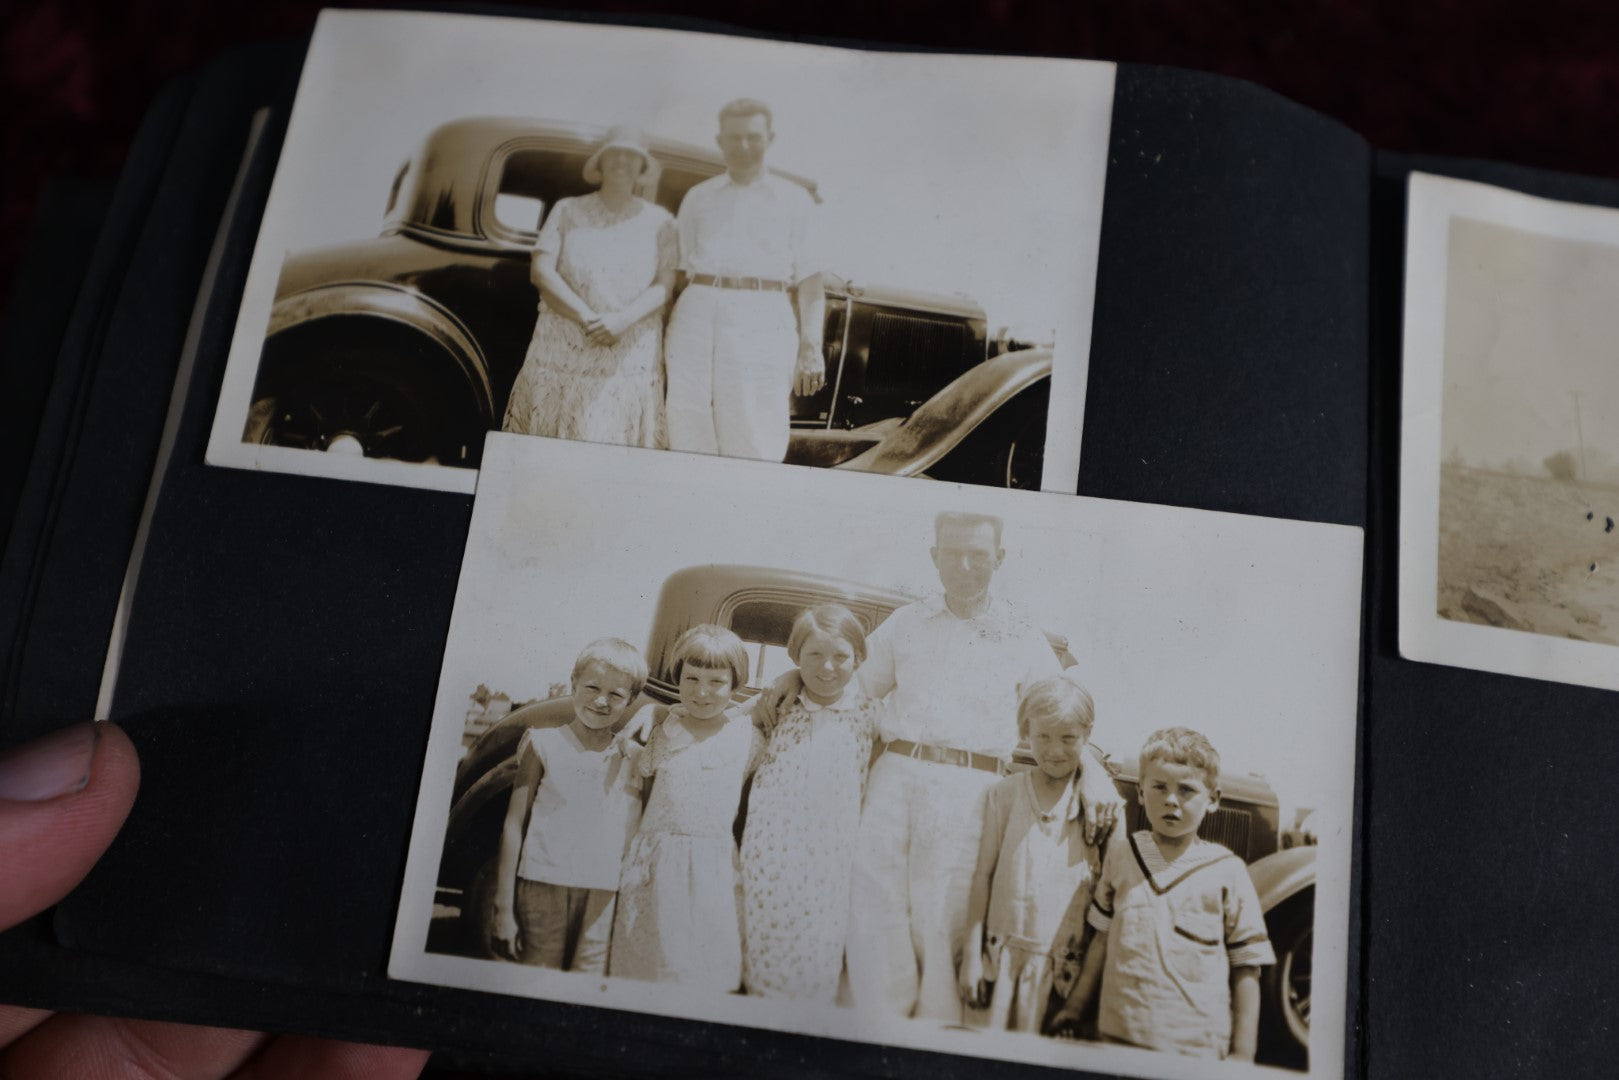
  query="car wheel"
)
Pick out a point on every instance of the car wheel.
point(397, 397)
point(1285, 1012)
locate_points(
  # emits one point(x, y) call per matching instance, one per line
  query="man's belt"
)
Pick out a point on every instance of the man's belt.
point(946, 755)
point(756, 284)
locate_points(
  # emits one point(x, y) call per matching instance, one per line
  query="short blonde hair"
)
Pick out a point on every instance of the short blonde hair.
point(834, 620)
point(708, 645)
point(1056, 698)
point(617, 654)
point(1183, 746)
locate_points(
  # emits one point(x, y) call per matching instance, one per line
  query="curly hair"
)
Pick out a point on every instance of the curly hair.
point(1183, 746)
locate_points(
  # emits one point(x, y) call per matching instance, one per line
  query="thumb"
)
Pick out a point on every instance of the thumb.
point(62, 800)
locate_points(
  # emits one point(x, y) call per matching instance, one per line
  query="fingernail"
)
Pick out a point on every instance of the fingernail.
point(57, 764)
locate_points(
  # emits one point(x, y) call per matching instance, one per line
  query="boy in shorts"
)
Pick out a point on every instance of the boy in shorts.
point(1180, 935)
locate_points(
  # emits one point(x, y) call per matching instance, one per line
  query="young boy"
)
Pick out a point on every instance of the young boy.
point(1180, 937)
point(576, 801)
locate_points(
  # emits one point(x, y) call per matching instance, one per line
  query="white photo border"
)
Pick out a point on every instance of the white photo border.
point(1295, 560)
point(345, 42)
point(1432, 204)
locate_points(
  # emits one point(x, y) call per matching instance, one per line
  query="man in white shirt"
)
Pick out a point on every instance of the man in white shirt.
point(746, 332)
point(950, 670)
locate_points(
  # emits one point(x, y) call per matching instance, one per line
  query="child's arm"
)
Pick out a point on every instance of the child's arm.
point(1065, 1023)
point(1103, 805)
point(970, 975)
point(1244, 1012)
point(632, 739)
point(1248, 949)
point(645, 760)
point(504, 933)
point(1099, 917)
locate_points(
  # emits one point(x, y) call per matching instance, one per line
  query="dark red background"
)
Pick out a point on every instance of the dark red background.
point(1536, 84)
point(1530, 83)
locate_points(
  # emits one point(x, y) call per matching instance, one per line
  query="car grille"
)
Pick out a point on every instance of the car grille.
point(1228, 827)
point(912, 356)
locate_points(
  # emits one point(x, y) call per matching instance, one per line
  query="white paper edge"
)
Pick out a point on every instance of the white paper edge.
point(1070, 359)
point(1339, 547)
point(1432, 203)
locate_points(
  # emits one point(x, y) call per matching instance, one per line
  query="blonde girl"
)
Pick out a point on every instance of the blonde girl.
point(679, 898)
point(1026, 910)
point(575, 802)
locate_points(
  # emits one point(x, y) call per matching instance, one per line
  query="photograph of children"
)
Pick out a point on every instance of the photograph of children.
point(862, 260)
point(1509, 559)
point(1002, 774)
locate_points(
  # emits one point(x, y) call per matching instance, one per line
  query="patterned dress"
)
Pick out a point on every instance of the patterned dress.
point(679, 899)
point(569, 388)
point(803, 816)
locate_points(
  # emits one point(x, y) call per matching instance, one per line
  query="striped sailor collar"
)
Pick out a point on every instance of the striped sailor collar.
point(1164, 875)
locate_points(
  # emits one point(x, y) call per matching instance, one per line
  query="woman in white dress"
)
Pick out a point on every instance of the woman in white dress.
point(604, 264)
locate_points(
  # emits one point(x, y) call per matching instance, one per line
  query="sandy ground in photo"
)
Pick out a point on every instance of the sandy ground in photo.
point(1518, 552)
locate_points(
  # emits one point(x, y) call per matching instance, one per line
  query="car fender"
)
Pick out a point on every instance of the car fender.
point(1282, 875)
point(939, 424)
point(393, 303)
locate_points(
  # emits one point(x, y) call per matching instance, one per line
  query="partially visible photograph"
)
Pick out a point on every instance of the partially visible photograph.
point(1512, 434)
point(864, 261)
point(921, 765)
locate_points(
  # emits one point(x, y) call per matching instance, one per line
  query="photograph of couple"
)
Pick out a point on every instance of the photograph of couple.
point(736, 247)
point(954, 768)
point(744, 336)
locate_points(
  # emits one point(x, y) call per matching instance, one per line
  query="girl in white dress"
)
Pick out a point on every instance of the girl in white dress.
point(804, 813)
point(679, 917)
point(1035, 874)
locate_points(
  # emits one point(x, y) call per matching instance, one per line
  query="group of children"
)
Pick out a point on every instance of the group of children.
point(1154, 939)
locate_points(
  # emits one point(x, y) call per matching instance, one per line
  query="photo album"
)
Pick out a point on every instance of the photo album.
point(632, 549)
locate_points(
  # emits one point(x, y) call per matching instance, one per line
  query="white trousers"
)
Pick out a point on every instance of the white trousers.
point(730, 355)
point(913, 867)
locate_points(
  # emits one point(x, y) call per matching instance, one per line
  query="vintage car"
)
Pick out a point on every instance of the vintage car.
point(760, 604)
point(407, 346)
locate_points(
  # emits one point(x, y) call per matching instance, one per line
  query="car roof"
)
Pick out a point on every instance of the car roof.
point(438, 183)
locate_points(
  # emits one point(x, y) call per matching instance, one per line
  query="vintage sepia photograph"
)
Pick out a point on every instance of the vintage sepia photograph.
point(1509, 554)
point(868, 261)
point(1001, 774)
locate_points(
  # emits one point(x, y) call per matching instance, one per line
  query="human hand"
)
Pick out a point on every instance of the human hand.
point(775, 699)
point(504, 937)
point(596, 332)
point(811, 371)
point(62, 799)
point(606, 329)
point(1065, 1023)
point(1103, 806)
point(975, 989)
